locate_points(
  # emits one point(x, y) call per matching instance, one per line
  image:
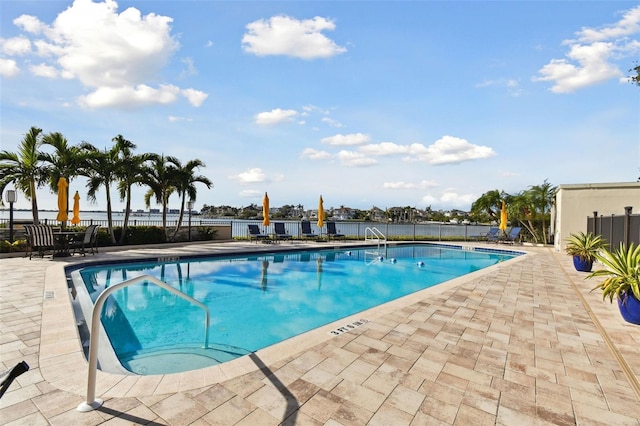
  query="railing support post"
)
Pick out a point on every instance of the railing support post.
point(627, 225)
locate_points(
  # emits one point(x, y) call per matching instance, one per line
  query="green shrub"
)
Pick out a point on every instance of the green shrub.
point(206, 233)
point(16, 246)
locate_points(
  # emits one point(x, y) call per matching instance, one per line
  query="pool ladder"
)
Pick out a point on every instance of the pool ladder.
point(92, 402)
point(373, 234)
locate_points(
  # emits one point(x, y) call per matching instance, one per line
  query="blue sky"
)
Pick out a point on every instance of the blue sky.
point(416, 103)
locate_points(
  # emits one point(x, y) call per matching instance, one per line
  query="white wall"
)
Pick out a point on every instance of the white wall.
point(576, 202)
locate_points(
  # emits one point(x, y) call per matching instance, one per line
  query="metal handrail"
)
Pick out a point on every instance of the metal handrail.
point(377, 236)
point(375, 232)
point(92, 402)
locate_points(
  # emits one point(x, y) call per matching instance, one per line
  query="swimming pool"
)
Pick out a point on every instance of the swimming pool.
point(255, 300)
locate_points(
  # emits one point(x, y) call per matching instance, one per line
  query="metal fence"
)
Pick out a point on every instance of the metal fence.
point(616, 229)
point(352, 230)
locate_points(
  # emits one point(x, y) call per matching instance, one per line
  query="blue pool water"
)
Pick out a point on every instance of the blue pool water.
point(258, 300)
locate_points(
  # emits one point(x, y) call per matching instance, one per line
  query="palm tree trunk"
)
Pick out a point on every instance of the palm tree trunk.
point(175, 233)
point(126, 216)
point(34, 202)
point(110, 217)
point(164, 214)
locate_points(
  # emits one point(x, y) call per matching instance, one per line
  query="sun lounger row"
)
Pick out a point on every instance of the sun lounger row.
point(281, 234)
point(495, 235)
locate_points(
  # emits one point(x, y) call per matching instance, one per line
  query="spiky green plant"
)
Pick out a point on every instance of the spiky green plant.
point(584, 245)
point(622, 272)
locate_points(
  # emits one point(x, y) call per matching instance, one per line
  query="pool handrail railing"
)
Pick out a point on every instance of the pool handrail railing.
point(92, 402)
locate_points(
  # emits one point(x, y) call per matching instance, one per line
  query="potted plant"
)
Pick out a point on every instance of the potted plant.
point(584, 248)
point(622, 279)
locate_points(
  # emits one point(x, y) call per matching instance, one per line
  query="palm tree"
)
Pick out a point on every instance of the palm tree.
point(160, 177)
point(101, 169)
point(542, 197)
point(489, 204)
point(131, 172)
point(63, 162)
point(185, 183)
point(24, 168)
point(520, 208)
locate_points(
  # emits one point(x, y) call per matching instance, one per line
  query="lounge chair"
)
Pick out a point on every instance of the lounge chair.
point(86, 241)
point(513, 235)
point(493, 231)
point(332, 232)
point(255, 234)
point(280, 233)
point(494, 235)
point(307, 232)
point(40, 239)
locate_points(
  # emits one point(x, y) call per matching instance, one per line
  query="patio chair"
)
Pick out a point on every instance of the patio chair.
point(255, 234)
point(307, 232)
point(332, 232)
point(40, 239)
point(513, 235)
point(85, 241)
point(280, 233)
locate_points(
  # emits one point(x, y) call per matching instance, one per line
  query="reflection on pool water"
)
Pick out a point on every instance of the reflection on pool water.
point(257, 300)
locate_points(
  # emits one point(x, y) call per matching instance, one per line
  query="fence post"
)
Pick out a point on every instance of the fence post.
point(595, 223)
point(627, 224)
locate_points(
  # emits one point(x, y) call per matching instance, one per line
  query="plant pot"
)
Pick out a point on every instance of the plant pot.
point(629, 308)
point(582, 265)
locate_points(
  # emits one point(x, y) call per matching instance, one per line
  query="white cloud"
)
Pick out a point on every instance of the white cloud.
point(174, 119)
point(30, 24)
point(343, 140)
point(628, 25)
point(331, 122)
point(275, 116)
point(449, 150)
point(385, 148)
point(190, 68)
point(127, 96)
point(450, 198)
point(16, 46)
point(255, 175)
point(44, 70)
point(590, 57)
point(512, 86)
point(425, 184)
point(195, 97)
point(8, 68)
point(314, 154)
point(355, 159)
point(593, 67)
point(116, 55)
point(283, 35)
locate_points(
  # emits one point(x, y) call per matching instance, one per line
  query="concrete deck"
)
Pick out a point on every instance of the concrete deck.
point(522, 343)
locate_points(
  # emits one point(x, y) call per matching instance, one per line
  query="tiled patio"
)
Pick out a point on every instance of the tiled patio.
point(521, 343)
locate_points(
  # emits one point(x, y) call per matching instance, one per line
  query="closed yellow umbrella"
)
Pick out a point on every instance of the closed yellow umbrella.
point(76, 209)
point(320, 213)
point(503, 217)
point(265, 210)
point(63, 216)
